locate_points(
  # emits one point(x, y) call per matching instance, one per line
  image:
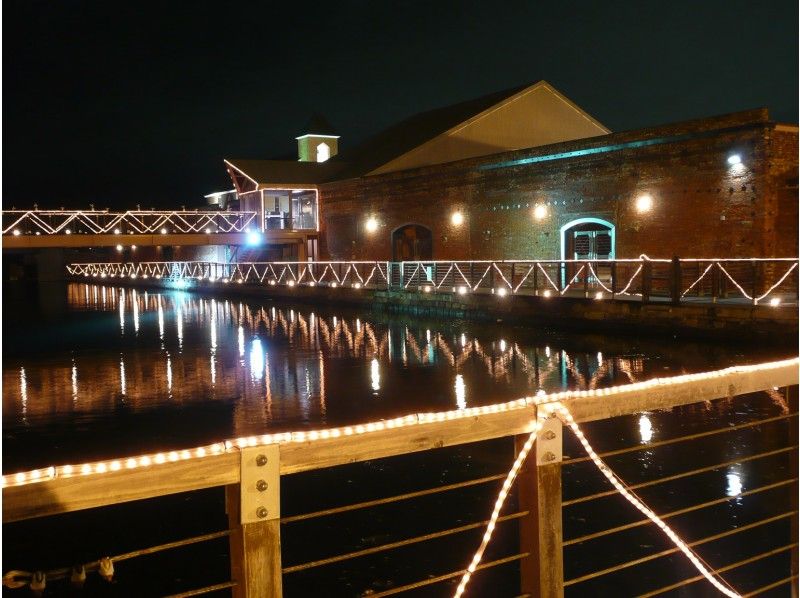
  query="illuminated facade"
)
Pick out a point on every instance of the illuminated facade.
point(527, 174)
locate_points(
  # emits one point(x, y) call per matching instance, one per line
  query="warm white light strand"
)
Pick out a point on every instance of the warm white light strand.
point(630, 282)
point(634, 500)
point(738, 286)
point(52, 472)
point(139, 221)
point(574, 278)
point(777, 284)
point(699, 278)
point(498, 505)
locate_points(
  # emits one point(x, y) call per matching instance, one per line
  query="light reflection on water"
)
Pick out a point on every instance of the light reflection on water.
point(282, 367)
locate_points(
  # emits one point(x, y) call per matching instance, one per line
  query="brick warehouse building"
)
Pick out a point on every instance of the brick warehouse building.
point(526, 174)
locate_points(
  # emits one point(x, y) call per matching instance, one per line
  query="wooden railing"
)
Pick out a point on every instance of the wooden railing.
point(251, 470)
point(756, 281)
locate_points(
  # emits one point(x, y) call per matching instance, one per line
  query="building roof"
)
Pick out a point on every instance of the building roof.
point(318, 125)
point(412, 132)
point(284, 172)
point(391, 143)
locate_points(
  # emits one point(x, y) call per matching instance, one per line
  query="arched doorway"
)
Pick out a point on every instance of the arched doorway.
point(587, 239)
point(412, 242)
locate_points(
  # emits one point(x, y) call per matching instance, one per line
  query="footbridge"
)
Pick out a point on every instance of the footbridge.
point(38, 229)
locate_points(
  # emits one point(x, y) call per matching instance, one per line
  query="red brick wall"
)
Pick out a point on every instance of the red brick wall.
point(702, 207)
point(780, 233)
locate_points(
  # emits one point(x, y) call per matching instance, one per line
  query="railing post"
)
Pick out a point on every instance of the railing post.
point(402, 275)
point(253, 509)
point(796, 277)
point(675, 279)
point(512, 276)
point(586, 280)
point(536, 279)
point(613, 279)
point(647, 280)
point(542, 571)
point(491, 277)
point(754, 289)
point(715, 282)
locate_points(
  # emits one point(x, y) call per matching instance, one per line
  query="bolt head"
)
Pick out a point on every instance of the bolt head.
point(262, 512)
point(549, 435)
point(261, 485)
point(261, 460)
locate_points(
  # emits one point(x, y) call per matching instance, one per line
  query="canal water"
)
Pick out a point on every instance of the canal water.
point(98, 371)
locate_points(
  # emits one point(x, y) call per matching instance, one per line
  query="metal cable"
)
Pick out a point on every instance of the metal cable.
point(741, 563)
point(205, 590)
point(644, 447)
point(766, 588)
point(433, 580)
point(678, 476)
point(663, 553)
point(697, 507)
point(399, 544)
point(399, 497)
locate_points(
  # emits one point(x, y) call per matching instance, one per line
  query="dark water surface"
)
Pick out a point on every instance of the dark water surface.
point(93, 372)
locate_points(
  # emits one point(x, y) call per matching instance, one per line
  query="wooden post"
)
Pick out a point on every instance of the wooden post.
point(536, 279)
point(512, 276)
point(754, 289)
point(715, 282)
point(675, 279)
point(586, 280)
point(647, 280)
point(254, 517)
point(723, 285)
point(796, 277)
point(539, 488)
point(491, 277)
point(613, 279)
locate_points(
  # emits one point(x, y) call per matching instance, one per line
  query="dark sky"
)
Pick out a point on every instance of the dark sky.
point(119, 103)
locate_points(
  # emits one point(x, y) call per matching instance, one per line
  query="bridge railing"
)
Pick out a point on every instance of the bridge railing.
point(98, 222)
point(745, 523)
point(357, 274)
point(757, 281)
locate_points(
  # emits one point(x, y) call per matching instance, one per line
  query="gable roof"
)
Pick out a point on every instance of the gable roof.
point(397, 140)
point(318, 125)
point(412, 132)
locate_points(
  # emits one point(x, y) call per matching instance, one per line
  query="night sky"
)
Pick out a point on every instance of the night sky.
point(119, 103)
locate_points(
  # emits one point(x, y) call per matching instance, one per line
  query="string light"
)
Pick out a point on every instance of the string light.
point(293, 273)
point(540, 399)
point(498, 505)
point(634, 500)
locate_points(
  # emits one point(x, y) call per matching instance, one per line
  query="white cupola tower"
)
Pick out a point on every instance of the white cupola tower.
point(318, 142)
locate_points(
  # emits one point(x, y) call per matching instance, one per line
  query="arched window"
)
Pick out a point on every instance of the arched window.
point(412, 242)
point(587, 239)
point(323, 152)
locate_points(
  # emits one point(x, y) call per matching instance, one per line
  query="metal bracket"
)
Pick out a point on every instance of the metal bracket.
point(548, 442)
point(260, 484)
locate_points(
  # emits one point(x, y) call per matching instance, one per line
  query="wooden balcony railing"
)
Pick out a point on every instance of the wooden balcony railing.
point(252, 470)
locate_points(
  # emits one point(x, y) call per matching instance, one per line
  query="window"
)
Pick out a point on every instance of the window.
point(323, 152)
